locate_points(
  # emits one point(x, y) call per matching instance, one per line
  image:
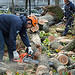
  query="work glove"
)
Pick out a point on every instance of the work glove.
point(64, 19)
point(15, 54)
point(30, 51)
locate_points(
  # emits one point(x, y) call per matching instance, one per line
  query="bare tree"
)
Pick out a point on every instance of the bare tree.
point(26, 4)
point(13, 10)
point(57, 2)
point(29, 7)
point(48, 2)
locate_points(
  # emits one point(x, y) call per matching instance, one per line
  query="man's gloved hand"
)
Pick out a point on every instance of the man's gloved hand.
point(15, 54)
point(64, 19)
point(30, 51)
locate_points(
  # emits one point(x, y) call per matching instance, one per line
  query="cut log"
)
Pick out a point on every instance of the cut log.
point(35, 39)
point(62, 30)
point(56, 45)
point(71, 67)
point(43, 66)
point(53, 10)
point(11, 67)
point(51, 38)
point(66, 41)
point(70, 46)
point(58, 65)
point(69, 54)
point(43, 25)
point(35, 28)
point(65, 59)
point(42, 21)
point(36, 42)
point(71, 72)
point(49, 18)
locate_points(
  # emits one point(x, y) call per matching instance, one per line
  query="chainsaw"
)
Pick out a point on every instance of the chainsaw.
point(27, 58)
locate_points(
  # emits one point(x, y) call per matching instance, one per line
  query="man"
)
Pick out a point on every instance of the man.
point(10, 26)
point(69, 15)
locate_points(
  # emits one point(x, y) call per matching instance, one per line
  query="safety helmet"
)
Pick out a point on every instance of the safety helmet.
point(33, 19)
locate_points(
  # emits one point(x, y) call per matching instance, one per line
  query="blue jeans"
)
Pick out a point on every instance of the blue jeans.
point(3, 40)
point(68, 25)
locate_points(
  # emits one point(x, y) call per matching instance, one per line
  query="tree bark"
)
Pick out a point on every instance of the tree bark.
point(56, 45)
point(62, 30)
point(58, 66)
point(43, 66)
point(57, 2)
point(35, 29)
point(65, 60)
point(13, 10)
point(49, 18)
point(70, 46)
point(71, 72)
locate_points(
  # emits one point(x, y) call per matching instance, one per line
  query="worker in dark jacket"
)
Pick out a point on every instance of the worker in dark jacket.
point(69, 15)
point(10, 26)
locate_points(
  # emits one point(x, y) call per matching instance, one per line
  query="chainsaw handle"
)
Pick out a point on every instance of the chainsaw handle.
point(21, 57)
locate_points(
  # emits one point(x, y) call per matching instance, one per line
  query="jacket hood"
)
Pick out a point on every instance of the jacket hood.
point(24, 20)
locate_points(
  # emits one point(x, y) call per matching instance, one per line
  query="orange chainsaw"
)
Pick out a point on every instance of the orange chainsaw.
point(27, 58)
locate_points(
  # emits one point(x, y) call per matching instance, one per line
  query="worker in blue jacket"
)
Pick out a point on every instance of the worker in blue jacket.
point(69, 15)
point(10, 26)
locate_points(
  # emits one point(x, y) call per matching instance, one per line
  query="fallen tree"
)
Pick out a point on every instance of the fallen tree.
point(50, 16)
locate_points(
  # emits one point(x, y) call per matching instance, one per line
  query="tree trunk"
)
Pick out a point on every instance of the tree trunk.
point(36, 42)
point(53, 10)
point(35, 29)
point(65, 59)
point(62, 30)
point(70, 46)
point(57, 2)
point(71, 72)
point(56, 45)
point(29, 7)
point(58, 66)
point(13, 9)
point(43, 24)
point(43, 66)
point(48, 17)
point(26, 4)
point(48, 2)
